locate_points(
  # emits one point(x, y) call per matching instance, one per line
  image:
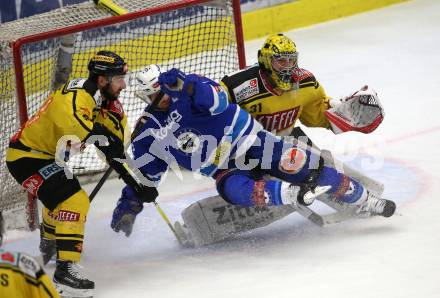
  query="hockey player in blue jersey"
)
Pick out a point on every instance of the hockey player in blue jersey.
point(196, 127)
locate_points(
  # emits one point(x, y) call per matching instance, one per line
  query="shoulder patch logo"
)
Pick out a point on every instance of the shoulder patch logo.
point(75, 83)
point(246, 90)
point(8, 257)
point(32, 184)
point(188, 141)
point(300, 74)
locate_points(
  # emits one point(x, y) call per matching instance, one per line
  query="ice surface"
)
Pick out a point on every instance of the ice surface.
point(394, 50)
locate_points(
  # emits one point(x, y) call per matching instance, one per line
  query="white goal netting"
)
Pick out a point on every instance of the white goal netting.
point(40, 52)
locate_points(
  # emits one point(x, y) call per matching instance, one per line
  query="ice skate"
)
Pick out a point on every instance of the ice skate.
point(70, 283)
point(301, 194)
point(373, 205)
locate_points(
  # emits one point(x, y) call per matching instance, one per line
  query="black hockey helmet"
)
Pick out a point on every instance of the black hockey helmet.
point(107, 63)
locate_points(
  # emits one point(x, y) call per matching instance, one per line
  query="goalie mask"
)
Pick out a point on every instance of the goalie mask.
point(278, 58)
point(147, 83)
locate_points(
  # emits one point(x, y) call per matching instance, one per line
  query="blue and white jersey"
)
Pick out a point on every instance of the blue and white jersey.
point(202, 133)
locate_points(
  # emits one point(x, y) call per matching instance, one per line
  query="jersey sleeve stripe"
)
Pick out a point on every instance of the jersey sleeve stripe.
point(220, 103)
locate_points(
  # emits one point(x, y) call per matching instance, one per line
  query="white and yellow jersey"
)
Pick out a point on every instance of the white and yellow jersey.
point(22, 276)
point(69, 112)
point(278, 114)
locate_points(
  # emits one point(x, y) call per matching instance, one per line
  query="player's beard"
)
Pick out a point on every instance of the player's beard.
point(108, 94)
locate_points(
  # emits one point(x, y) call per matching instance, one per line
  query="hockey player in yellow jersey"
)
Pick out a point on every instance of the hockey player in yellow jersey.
point(278, 93)
point(80, 113)
point(21, 276)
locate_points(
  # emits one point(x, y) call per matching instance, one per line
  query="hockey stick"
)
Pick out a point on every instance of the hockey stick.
point(111, 7)
point(135, 133)
point(137, 130)
point(168, 222)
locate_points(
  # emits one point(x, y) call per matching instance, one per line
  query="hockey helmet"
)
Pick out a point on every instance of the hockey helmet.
point(147, 82)
point(278, 58)
point(107, 63)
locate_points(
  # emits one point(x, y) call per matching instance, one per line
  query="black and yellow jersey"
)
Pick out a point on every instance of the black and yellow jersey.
point(67, 115)
point(278, 114)
point(22, 276)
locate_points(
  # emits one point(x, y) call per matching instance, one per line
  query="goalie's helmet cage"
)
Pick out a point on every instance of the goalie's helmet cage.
point(197, 36)
point(278, 58)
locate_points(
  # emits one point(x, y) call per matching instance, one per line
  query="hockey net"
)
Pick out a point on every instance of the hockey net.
point(41, 52)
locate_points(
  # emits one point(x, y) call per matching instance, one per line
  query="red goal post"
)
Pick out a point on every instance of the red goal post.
point(39, 53)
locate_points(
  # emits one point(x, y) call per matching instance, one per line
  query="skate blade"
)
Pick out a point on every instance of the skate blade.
point(69, 292)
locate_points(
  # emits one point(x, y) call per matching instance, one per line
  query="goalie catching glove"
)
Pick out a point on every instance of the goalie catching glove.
point(361, 111)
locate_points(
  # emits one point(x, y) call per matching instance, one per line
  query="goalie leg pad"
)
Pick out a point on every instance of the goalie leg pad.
point(213, 219)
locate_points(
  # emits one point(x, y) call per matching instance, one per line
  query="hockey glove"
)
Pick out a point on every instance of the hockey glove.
point(108, 143)
point(145, 194)
point(124, 215)
point(173, 83)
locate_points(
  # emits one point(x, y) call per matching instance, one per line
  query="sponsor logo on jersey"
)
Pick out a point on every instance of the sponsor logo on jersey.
point(188, 141)
point(7, 257)
point(28, 265)
point(49, 170)
point(222, 153)
point(170, 125)
point(278, 121)
point(292, 161)
point(33, 183)
point(246, 89)
point(65, 215)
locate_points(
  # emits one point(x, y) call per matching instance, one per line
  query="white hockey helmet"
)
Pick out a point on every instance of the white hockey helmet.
point(147, 82)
